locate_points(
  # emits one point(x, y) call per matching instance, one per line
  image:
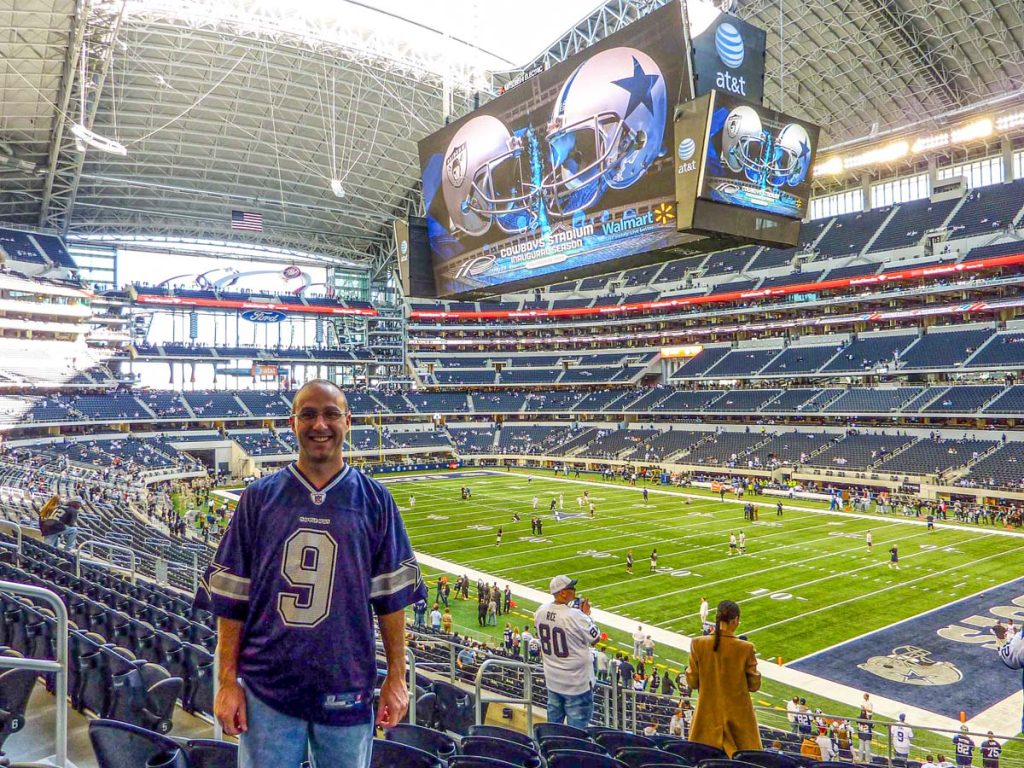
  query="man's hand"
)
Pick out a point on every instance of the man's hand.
point(394, 701)
point(585, 605)
point(229, 708)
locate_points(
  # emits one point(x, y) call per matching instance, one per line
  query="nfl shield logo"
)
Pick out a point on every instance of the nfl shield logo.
point(318, 497)
point(455, 165)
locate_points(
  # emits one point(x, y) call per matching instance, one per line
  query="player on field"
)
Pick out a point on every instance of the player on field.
point(311, 549)
point(561, 502)
point(964, 746)
point(592, 509)
point(990, 750)
point(536, 501)
point(515, 517)
point(732, 544)
point(645, 495)
point(704, 608)
point(579, 502)
point(497, 540)
point(629, 562)
point(931, 522)
point(894, 558)
point(869, 539)
point(412, 502)
point(743, 543)
point(554, 501)
point(778, 509)
point(654, 560)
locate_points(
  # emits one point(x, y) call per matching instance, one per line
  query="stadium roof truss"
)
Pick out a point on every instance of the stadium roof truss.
point(215, 118)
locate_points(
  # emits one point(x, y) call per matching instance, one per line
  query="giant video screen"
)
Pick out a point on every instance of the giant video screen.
point(758, 158)
point(569, 173)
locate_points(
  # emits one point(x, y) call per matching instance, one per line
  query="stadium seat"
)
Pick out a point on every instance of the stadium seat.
point(575, 759)
point(765, 759)
point(636, 757)
point(15, 690)
point(455, 711)
point(500, 733)
point(210, 753)
point(509, 751)
point(435, 742)
point(613, 740)
point(542, 731)
point(120, 745)
point(394, 754)
point(694, 751)
point(145, 695)
point(475, 761)
point(426, 710)
point(567, 743)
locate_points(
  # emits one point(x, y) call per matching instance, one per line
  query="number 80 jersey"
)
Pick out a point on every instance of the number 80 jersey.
point(565, 636)
point(304, 569)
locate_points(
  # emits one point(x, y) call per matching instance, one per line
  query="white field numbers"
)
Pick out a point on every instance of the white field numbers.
point(309, 564)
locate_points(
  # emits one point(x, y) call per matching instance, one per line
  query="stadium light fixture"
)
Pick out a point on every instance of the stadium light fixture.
point(935, 141)
point(86, 138)
point(830, 167)
point(977, 129)
point(1012, 120)
point(884, 154)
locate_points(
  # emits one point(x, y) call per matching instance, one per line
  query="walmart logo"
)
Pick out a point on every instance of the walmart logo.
point(729, 44)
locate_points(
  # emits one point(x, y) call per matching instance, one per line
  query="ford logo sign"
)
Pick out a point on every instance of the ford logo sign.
point(263, 316)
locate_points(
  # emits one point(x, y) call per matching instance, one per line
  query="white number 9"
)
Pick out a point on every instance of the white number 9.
point(309, 562)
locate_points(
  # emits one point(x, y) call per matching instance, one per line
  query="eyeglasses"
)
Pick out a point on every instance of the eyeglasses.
point(331, 415)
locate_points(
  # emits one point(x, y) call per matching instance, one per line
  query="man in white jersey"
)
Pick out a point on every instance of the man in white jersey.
point(901, 737)
point(566, 634)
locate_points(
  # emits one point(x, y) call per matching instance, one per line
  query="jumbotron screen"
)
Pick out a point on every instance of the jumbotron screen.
point(758, 158)
point(570, 172)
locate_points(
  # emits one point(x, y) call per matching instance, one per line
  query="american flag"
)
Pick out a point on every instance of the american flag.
point(246, 220)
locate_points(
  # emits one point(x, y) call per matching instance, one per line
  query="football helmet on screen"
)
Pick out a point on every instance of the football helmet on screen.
point(743, 140)
point(606, 128)
point(485, 178)
point(792, 156)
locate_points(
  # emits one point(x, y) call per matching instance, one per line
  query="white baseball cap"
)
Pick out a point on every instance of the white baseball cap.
point(561, 582)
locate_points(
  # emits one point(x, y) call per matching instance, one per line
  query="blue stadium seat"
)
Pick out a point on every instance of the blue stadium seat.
point(120, 745)
point(394, 754)
point(476, 761)
point(614, 740)
point(210, 753)
point(637, 757)
point(766, 759)
point(435, 742)
point(499, 732)
point(509, 751)
point(544, 731)
point(576, 759)
point(696, 752)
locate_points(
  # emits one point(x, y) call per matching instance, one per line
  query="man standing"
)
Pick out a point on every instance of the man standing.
point(566, 634)
point(638, 641)
point(990, 751)
point(310, 551)
point(629, 562)
point(964, 746)
point(869, 540)
point(704, 613)
point(894, 557)
point(901, 738)
point(654, 560)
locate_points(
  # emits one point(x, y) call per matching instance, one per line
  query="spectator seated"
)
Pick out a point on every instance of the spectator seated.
point(933, 457)
point(1002, 351)
point(859, 451)
point(1011, 401)
point(215, 405)
point(744, 400)
point(963, 399)
point(988, 210)
point(944, 349)
point(910, 222)
point(471, 440)
point(869, 353)
point(741, 362)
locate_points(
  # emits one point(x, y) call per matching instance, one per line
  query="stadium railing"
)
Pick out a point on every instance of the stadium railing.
point(57, 666)
point(113, 549)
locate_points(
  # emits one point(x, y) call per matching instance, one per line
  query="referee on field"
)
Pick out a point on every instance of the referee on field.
point(566, 633)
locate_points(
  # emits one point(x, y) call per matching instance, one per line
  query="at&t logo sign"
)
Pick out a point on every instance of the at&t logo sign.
point(687, 149)
point(730, 49)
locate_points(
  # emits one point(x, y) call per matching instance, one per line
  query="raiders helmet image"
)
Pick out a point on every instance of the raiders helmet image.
point(485, 178)
point(760, 155)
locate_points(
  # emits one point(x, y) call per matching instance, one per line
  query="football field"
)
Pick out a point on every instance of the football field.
point(806, 583)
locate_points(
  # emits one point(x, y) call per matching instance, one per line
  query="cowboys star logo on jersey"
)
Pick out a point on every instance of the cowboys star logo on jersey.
point(913, 666)
point(455, 165)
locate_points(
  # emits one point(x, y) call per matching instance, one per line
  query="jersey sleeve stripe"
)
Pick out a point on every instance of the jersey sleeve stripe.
point(228, 585)
point(405, 577)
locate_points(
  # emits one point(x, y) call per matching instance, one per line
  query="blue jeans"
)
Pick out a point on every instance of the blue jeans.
point(574, 710)
point(68, 536)
point(276, 740)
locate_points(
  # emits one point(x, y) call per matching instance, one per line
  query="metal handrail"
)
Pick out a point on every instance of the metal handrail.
point(58, 667)
point(17, 535)
point(527, 698)
point(91, 545)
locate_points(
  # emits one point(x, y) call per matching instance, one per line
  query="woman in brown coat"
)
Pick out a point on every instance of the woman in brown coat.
point(724, 669)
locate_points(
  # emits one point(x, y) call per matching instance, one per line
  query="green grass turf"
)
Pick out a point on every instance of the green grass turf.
point(836, 588)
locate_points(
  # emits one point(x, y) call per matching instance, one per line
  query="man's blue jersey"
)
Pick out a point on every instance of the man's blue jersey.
point(964, 749)
point(301, 568)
